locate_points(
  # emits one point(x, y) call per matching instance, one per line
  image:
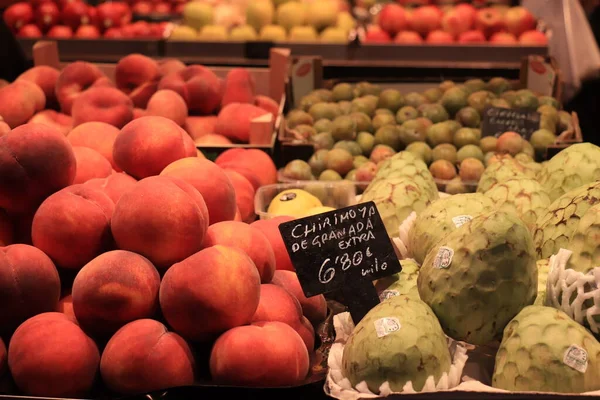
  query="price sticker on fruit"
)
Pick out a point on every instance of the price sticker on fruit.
point(341, 248)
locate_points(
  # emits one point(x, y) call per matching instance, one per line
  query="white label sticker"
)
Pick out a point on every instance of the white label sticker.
point(443, 259)
point(386, 294)
point(385, 326)
point(460, 220)
point(576, 358)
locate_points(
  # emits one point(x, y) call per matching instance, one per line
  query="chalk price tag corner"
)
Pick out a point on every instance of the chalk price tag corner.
point(497, 120)
point(342, 249)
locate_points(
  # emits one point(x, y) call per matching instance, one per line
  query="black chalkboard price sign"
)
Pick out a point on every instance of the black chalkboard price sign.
point(497, 120)
point(343, 249)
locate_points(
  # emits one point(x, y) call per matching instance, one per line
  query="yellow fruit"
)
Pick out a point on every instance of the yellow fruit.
point(293, 203)
point(318, 210)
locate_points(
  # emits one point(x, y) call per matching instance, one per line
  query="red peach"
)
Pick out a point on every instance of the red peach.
point(277, 304)
point(143, 357)
point(313, 308)
point(210, 181)
point(7, 235)
point(61, 122)
point(87, 32)
point(17, 15)
point(201, 288)
point(197, 127)
point(239, 87)
point(114, 185)
point(162, 218)
point(392, 19)
point(408, 37)
point(29, 284)
point(267, 104)
point(471, 37)
point(168, 104)
point(137, 75)
point(503, 38)
point(274, 355)
point(19, 101)
point(439, 37)
point(270, 228)
point(3, 359)
point(199, 86)
point(426, 19)
point(248, 239)
point(45, 77)
point(169, 65)
point(90, 165)
point(254, 160)
point(74, 79)
point(64, 363)
point(73, 225)
point(534, 38)
point(102, 104)
point(4, 128)
point(138, 113)
point(30, 31)
point(375, 34)
point(307, 332)
point(211, 139)
point(60, 31)
point(65, 306)
point(244, 195)
point(99, 136)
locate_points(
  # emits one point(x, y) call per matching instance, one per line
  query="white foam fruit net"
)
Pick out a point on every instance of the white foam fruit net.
point(575, 293)
point(339, 387)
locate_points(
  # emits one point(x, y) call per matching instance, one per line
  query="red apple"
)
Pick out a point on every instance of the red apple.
point(87, 32)
point(142, 8)
point(392, 19)
point(162, 8)
point(456, 22)
point(47, 15)
point(113, 33)
point(75, 14)
point(158, 29)
point(141, 29)
point(126, 14)
point(408, 37)
point(30, 31)
point(426, 19)
point(414, 3)
point(519, 20)
point(178, 8)
point(93, 14)
point(471, 37)
point(60, 31)
point(467, 11)
point(18, 15)
point(112, 15)
point(439, 37)
point(375, 34)
point(37, 3)
point(62, 4)
point(503, 38)
point(533, 38)
point(489, 21)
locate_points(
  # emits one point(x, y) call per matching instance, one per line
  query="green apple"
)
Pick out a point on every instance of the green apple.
point(272, 33)
point(334, 35)
point(243, 33)
point(345, 21)
point(197, 14)
point(322, 14)
point(213, 33)
point(303, 34)
point(291, 14)
point(260, 13)
point(183, 32)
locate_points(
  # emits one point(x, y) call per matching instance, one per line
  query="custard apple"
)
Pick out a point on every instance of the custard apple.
point(504, 169)
point(403, 283)
point(543, 267)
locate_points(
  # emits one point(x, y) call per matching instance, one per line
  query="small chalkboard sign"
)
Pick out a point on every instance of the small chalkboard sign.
point(497, 120)
point(343, 249)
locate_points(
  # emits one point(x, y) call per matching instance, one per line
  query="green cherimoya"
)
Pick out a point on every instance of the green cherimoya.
point(502, 170)
point(555, 228)
point(543, 267)
point(576, 165)
point(480, 276)
point(442, 217)
point(523, 196)
point(403, 283)
point(543, 350)
point(585, 242)
point(398, 341)
point(395, 199)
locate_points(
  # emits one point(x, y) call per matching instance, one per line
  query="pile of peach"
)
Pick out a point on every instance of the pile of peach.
point(212, 110)
point(127, 259)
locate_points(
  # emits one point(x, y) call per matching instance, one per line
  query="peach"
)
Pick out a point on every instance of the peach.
point(199, 86)
point(4, 127)
point(137, 76)
point(90, 165)
point(267, 104)
point(65, 306)
point(29, 284)
point(143, 356)
point(114, 289)
point(313, 308)
point(234, 121)
point(273, 355)
point(257, 161)
point(35, 161)
point(65, 360)
point(238, 216)
point(277, 304)
point(6, 229)
point(162, 218)
point(22, 227)
point(202, 287)
point(170, 65)
point(168, 104)
point(73, 225)
point(270, 228)
point(244, 195)
point(211, 139)
point(20, 101)
point(239, 87)
point(533, 38)
point(61, 122)
point(76, 78)
point(102, 104)
point(45, 77)
point(307, 333)
point(99, 136)
point(146, 145)
point(212, 183)
point(138, 113)
point(3, 358)
point(248, 239)
point(114, 185)
point(200, 126)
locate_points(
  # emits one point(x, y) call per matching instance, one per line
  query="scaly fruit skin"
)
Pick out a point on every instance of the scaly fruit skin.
point(490, 277)
point(417, 350)
point(403, 283)
point(532, 353)
point(555, 228)
point(522, 196)
point(585, 243)
point(408, 165)
point(500, 171)
point(441, 218)
point(576, 165)
point(543, 267)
